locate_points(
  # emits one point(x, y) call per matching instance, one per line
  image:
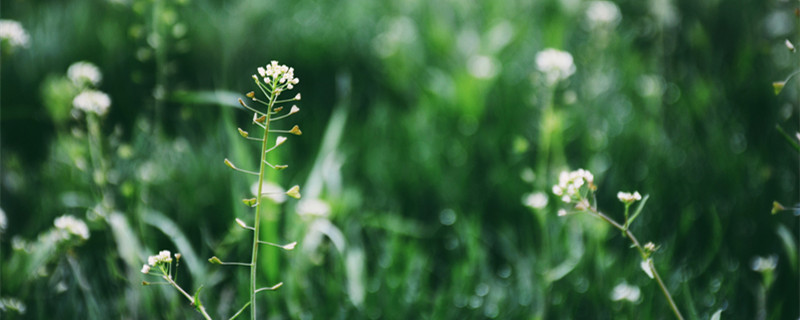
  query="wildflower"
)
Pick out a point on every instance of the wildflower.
point(628, 198)
point(92, 101)
point(269, 190)
point(72, 225)
point(650, 247)
point(624, 291)
point(555, 64)
point(162, 257)
point(82, 73)
point(294, 109)
point(280, 140)
point(313, 208)
point(789, 45)
point(602, 13)
point(762, 264)
point(146, 268)
point(279, 74)
point(14, 33)
point(570, 183)
point(536, 200)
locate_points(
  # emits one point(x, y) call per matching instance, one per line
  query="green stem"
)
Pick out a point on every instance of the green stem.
point(257, 222)
point(200, 308)
point(638, 246)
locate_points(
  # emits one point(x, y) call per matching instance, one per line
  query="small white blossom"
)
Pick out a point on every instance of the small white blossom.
point(146, 268)
point(536, 200)
point(627, 197)
point(81, 73)
point(789, 45)
point(570, 183)
point(602, 13)
point(281, 74)
point(13, 32)
point(313, 208)
point(555, 64)
point(72, 225)
point(280, 140)
point(162, 257)
point(270, 190)
point(624, 291)
point(92, 101)
point(762, 264)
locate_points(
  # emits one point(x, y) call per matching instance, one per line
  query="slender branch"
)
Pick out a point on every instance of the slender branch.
point(240, 311)
point(633, 239)
point(272, 288)
point(200, 308)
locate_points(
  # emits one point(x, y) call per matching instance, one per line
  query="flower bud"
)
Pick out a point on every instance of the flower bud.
point(214, 260)
point(296, 131)
point(243, 133)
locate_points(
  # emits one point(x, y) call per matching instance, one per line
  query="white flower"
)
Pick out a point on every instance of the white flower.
point(313, 208)
point(72, 225)
point(92, 101)
point(162, 257)
point(13, 32)
point(789, 45)
point(570, 183)
point(646, 267)
point(600, 13)
point(270, 190)
point(83, 72)
point(761, 264)
point(280, 73)
point(628, 198)
point(536, 200)
point(624, 291)
point(146, 268)
point(294, 109)
point(555, 64)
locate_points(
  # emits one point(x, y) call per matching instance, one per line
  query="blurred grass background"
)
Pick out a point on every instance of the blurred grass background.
point(422, 132)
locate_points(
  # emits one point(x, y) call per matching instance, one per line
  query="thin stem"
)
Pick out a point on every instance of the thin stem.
point(200, 308)
point(633, 239)
point(257, 223)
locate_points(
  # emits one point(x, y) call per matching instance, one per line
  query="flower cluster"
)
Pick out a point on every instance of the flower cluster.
point(280, 73)
point(628, 198)
point(82, 73)
point(570, 183)
point(92, 101)
point(13, 32)
point(624, 291)
point(162, 257)
point(602, 13)
point(72, 226)
point(557, 65)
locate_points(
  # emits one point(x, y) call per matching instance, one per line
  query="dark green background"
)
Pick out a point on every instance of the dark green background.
point(421, 139)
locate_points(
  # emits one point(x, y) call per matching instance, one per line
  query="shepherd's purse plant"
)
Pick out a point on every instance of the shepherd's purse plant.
point(272, 81)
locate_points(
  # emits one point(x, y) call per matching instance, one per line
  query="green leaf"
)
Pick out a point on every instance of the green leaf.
point(638, 210)
point(197, 303)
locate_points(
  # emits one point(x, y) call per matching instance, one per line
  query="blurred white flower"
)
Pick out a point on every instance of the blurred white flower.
point(92, 101)
point(628, 198)
point(536, 200)
point(313, 208)
point(624, 291)
point(3, 221)
point(602, 13)
point(72, 225)
point(270, 190)
point(146, 269)
point(14, 32)
point(81, 73)
point(570, 183)
point(555, 64)
point(483, 67)
point(762, 264)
